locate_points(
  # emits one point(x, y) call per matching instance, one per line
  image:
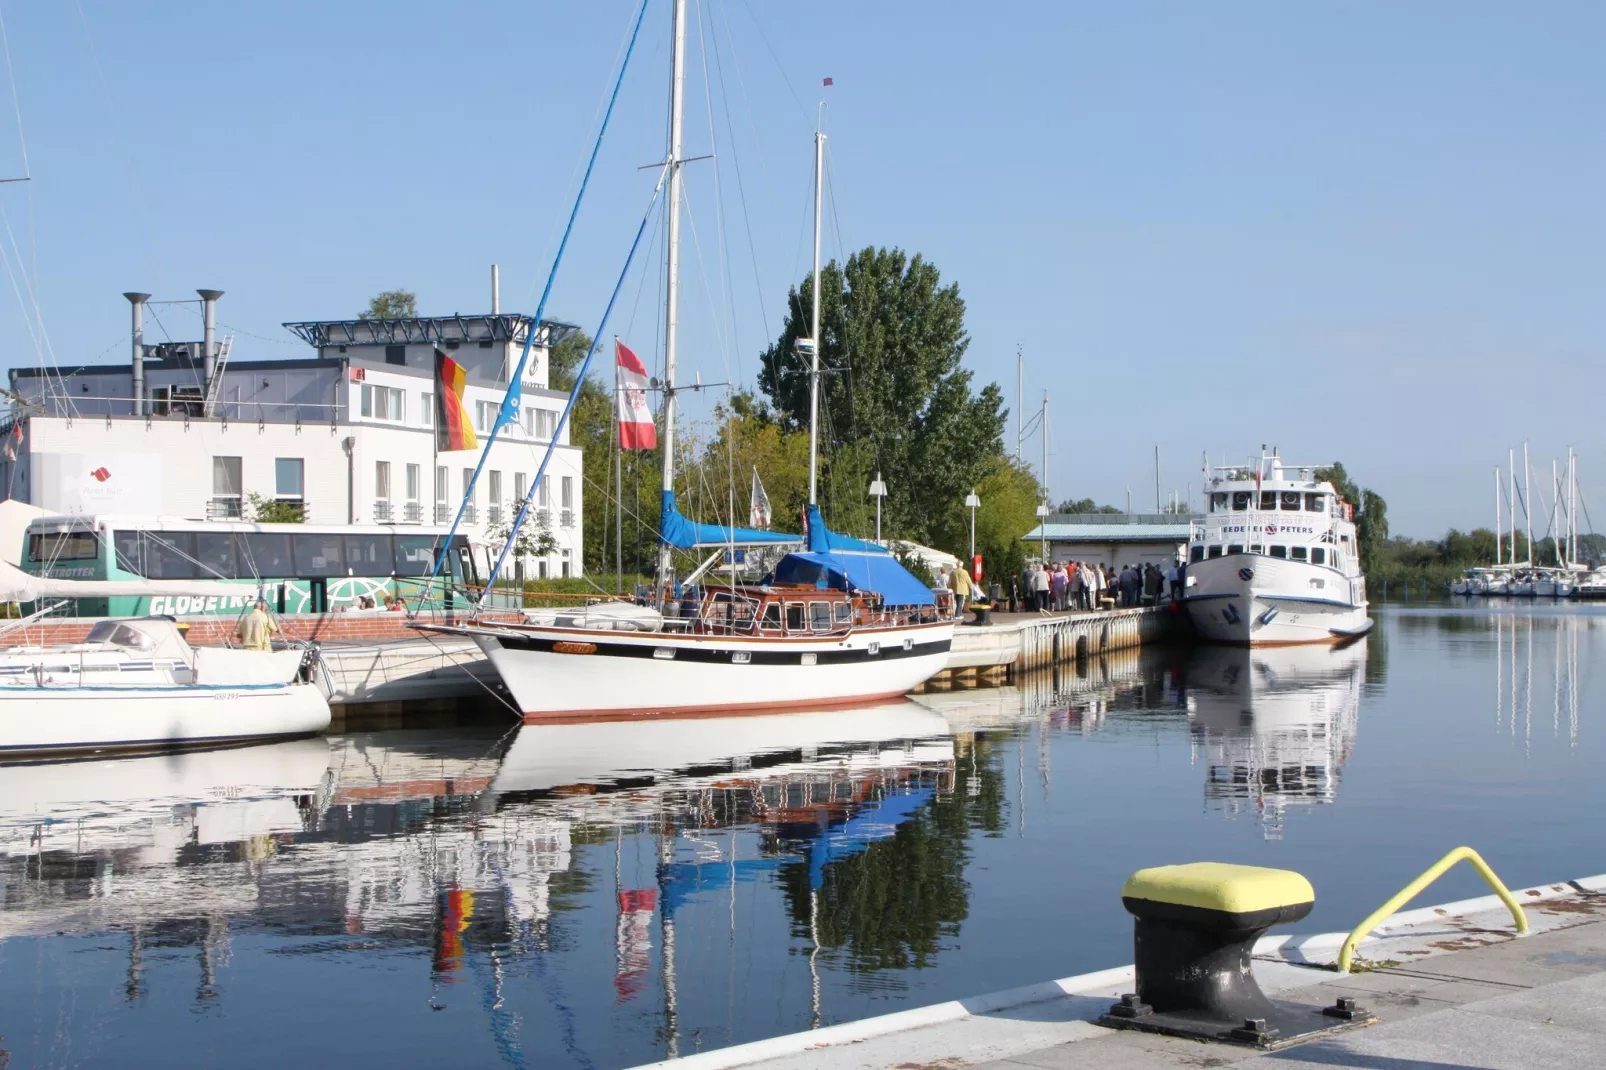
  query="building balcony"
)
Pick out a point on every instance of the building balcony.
point(382, 511)
point(471, 514)
point(413, 513)
point(443, 513)
point(224, 507)
point(493, 514)
point(566, 518)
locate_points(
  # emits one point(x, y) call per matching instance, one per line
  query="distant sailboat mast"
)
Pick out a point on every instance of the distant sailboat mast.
point(814, 317)
point(677, 65)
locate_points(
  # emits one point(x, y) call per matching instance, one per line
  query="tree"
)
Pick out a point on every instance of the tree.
point(1371, 515)
point(563, 360)
point(391, 305)
point(1083, 505)
point(265, 510)
point(535, 538)
point(1009, 495)
point(893, 395)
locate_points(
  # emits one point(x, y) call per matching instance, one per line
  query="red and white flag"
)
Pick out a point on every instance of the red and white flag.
point(636, 429)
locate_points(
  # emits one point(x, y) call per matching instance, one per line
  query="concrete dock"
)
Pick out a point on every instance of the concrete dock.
point(1454, 988)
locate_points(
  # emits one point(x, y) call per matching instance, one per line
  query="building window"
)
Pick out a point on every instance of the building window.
point(382, 480)
point(226, 488)
point(521, 487)
point(396, 355)
point(493, 500)
point(383, 403)
point(443, 511)
point(544, 494)
point(540, 424)
point(568, 492)
point(289, 479)
point(485, 415)
point(565, 564)
point(426, 410)
point(414, 478)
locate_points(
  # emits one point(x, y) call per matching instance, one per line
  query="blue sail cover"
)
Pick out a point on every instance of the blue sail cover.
point(848, 564)
point(684, 534)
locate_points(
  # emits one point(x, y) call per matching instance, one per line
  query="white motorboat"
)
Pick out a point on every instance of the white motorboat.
point(1276, 560)
point(138, 685)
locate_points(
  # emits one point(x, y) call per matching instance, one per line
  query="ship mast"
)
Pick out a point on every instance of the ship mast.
point(677, 80)
point(814, 318)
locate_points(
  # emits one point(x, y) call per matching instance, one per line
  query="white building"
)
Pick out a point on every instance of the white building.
point(347, 435)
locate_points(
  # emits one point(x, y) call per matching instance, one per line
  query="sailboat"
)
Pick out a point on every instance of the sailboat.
point(838, 622)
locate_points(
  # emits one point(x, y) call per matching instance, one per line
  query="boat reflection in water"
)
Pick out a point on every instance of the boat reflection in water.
point(1273, 725)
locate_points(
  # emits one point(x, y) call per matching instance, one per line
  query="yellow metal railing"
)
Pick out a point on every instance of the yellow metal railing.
point(1347, 953)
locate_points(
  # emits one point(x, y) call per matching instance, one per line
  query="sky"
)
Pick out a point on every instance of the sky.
point(1367, 232)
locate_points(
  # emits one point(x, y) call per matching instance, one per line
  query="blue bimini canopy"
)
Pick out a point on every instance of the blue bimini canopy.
point(686, 534)
point(871, 573)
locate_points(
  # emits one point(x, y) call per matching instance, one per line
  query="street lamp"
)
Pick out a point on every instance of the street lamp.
point(1042, 530)
point(878, 490)
point(972, 503)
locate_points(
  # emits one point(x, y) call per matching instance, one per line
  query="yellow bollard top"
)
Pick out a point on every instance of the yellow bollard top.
point(1220, 886)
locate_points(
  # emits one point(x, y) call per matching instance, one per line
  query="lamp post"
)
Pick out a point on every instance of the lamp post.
point(878, 490)
point(972, 503)
point(1042, 530)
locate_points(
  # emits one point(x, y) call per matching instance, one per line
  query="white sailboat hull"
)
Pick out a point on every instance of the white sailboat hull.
point(553, 675)
point(1254, 600)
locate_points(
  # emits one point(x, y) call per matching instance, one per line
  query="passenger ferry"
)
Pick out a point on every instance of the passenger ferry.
point(1276, 559)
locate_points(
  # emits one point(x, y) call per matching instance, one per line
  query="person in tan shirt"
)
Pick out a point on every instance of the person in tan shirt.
point(257, 629)
point(959, 583)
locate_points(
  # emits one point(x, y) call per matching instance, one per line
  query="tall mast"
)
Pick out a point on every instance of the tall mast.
point(677, 80)
point(814, 320)
point(1555, 510)
point(1497, 532)
point(1511, 473)
point(1527, 504)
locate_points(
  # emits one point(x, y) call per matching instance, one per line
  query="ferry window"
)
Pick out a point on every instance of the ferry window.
point(217, 554)
point(1215, 551)
point(1279, 551)
point(369, 555)
point(1296, 553)
point(820, 616)
point(169, 555)
point(130, 551)
point(63, 546)
point(1218, 502)
point(1313, 504)
point(266, 555)
point(415, 554)
point(1338, 559)
point(794, 617)
point(1235, 548)
point(1240, 500)
point(1291, 500)
point(772, 618)
point(319, 556)
point(1268, 499)
point(1318, 556)
point(1196, 553)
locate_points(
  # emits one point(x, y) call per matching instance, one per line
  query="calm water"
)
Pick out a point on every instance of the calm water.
point(606, 895)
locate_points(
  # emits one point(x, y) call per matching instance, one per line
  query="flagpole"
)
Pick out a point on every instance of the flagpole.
point(618, 486)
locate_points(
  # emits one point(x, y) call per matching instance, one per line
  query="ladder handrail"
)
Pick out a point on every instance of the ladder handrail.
point(1346, 954)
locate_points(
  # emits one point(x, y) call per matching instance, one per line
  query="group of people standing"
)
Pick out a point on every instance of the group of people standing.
point(1061, 586)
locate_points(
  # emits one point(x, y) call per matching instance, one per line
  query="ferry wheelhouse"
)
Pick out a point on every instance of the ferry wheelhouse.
point(1276, 559)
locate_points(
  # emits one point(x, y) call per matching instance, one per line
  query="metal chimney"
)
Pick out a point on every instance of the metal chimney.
point(137, 349)
point(208, 347)
point(496, 289)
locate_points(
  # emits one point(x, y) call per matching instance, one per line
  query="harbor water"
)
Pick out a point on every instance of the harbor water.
point(603, 895)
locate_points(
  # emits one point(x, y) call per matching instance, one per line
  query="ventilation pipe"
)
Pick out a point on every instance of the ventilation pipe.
point(496, 289)
point(208, 345)
point(137, 349)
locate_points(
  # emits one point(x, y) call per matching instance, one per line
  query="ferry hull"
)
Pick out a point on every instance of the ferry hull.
point(1253, 600)
point(553, 676)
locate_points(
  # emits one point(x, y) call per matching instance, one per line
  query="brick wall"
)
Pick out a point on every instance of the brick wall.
point(215, 632)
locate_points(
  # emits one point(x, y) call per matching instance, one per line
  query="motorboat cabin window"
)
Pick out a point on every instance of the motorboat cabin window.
point(1240, 500)
point(117, 633)
point(1314, 503)
point(63, 546)
point(771, 621)
point(1218, 502)
point(1296, 553)
point(1215, 551)
point(794, 617)
point(1235, 548)
point(1318, 555)
point(843, 612)
point(1291, 500)
point(1279, 551)
point(820, 616)
point(1196, 552)
point(1268, 500)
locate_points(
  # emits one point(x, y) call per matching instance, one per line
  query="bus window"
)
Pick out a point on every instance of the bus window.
point(217, 554)
point(1196, 553)
point(63, 546)
point(319, 555)
point(1268, 500)
point(794, 617)
point(130, 551)
point(1291, 500)
point(170, 555)
point(266, 555)
point(369, 555)
point(415, 554)
point(1240, 500)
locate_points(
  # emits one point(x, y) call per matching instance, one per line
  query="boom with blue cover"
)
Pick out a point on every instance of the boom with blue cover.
point(684, 534)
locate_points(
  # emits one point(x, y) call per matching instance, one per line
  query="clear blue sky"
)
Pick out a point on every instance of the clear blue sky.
point(1372, 232)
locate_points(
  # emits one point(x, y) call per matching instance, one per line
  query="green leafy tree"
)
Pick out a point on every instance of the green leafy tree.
point(1371, 515)
point(262, 510)
point(1009, 494)
point(535, 538)
point(895, 397)
point(563, 360)
point(1083, 505)
point(392, 305)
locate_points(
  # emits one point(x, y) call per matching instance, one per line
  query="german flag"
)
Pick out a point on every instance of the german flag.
point(453, 429)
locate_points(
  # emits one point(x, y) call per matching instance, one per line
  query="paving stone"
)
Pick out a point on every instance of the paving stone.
point(1453, 1039)
point(1577, 1004)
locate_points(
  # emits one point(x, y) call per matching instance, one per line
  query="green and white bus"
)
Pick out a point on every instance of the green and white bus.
point(298, 568)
